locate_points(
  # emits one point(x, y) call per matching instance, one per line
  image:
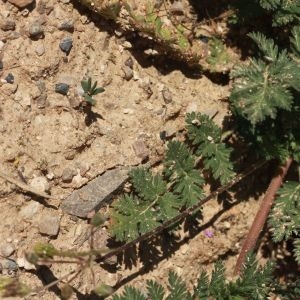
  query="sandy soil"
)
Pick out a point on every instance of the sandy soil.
point(47, 142)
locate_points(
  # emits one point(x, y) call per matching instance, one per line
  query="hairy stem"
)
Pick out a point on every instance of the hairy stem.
point(262, 214)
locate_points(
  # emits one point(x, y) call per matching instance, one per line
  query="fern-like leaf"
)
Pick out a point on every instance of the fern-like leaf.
point(155, 290)
point(130, 218)
point(179, 169)
point(264, 87)
point(177, 287)
point(130, 293)
point(207, 137)
point(254, 281)
point(285, 216)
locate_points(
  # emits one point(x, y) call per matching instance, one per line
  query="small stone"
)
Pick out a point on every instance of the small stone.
point(43, 7)
point(65, 1)
point(67, 25)
point(62, 88)
point(1, 65)
point(128, 73)
point(1, 45)
point(167, 95)
point(29, 210)
point(9, 264)
point(21, 3)
point(129, 62)
point(68, 174)
point(10, 78)
point(36, 30)
point(40, 184)
point(49, 224)
point(141, 150)
point(7, 24)
point(40, 49)
point(66, 44)
point(24, 263)
point(7, 249)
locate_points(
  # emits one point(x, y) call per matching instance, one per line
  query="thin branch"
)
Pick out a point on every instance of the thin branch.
point(24, 186)
point(262, 214)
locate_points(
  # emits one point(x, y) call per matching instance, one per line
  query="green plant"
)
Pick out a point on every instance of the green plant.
point(253, 283)
point(157, 198)
point(90, 90)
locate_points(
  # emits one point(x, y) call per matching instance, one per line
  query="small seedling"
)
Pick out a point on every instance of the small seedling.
point(90, 90)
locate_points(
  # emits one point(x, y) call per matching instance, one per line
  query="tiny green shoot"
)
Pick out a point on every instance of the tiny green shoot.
point(90, 89)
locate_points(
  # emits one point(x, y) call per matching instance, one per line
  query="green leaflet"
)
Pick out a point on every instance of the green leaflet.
point(207, 138)
point(254, 283)
point(179, 169)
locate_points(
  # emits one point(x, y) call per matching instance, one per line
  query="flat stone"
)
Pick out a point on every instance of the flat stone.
point(96, 193)
point(40, 184)
point(49, 224)
point(29, 210)
point(21, 3)
point(7, 249)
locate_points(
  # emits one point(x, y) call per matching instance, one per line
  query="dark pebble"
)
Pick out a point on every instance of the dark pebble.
point(8, 25)
point(1, 65)
point(10, 78)
point(66, 44)
point(67, 25)
point(62, 88)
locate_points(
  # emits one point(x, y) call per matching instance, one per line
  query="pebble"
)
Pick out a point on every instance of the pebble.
point(43, 7)
point(24, 263)
point(129, 62)
point(66, 44)
point(62, 88)
point(1, 65)
point(1, 45)
point(49, 224)
point(10, 78)
point(7, 249)
point(68, 174)
point(36, 30)
point(40, 49)
point(140, 150)
point(9, 264)
point(29, 210)
point(128, 73)
point(7, 24)
point(21, 3)
point(40, 184)
point(67, 25)
point(167, 95)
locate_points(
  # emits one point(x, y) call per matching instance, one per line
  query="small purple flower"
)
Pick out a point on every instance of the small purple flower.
point(208, 233)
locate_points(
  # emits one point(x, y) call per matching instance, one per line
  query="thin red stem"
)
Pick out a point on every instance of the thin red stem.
point(262, 214)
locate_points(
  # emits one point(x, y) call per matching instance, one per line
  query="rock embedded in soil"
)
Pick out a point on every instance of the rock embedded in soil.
point(62, 88)
point(167, 95)
point(66, 44)
point(67, 25)
point(21, 3)
point(49, 224)
point(10, 78)
point(7, 249)
point(36, 30)
point(128, 72)
point(40, 49)
point(40, 184)
point(29, 210)
point(9, 264)
point(7, 24)
point(68, 174)
point(96, 193)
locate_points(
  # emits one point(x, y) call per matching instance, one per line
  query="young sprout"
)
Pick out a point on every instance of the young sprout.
point(90, 90)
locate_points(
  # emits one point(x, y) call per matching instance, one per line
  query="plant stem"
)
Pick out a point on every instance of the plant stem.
point(262, 214)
